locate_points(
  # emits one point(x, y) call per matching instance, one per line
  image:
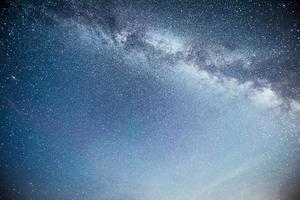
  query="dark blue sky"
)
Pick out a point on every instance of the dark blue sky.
point(149, 100)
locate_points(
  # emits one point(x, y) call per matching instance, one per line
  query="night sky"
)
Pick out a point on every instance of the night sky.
point(149, 100)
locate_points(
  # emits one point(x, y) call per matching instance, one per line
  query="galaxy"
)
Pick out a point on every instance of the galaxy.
point(149, 100)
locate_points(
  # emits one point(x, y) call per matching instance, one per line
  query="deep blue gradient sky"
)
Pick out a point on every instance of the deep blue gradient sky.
point(149, 100)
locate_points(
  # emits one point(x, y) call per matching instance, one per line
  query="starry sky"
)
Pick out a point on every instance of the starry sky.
point(149, 100)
